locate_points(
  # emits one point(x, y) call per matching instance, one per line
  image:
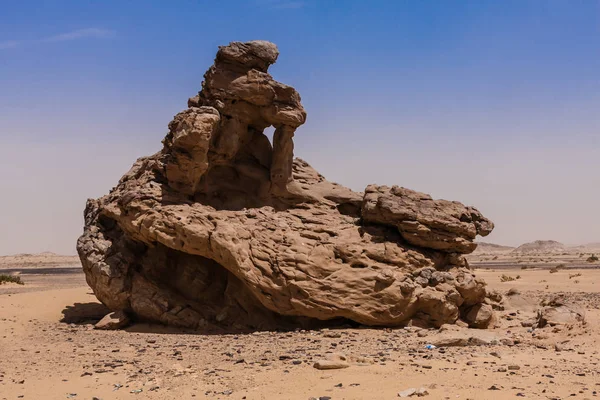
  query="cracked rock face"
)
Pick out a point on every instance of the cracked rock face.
point(221, 228)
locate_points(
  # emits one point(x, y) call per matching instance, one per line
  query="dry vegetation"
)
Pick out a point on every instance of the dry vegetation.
point(4, 278)
point(508, 278)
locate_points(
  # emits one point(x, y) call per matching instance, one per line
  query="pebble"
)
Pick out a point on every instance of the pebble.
point(420, 392)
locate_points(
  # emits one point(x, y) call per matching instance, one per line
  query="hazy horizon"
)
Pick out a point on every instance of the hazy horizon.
point(491, 104)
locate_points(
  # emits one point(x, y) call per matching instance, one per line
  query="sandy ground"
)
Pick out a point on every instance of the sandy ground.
point(49, 350)
point(508, 259)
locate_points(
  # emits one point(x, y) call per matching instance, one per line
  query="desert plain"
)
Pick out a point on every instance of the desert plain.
point(50, 349)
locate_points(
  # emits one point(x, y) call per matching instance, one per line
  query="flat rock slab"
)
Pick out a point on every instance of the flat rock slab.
point(113, 321)
point(331, 364)
point(414, 392)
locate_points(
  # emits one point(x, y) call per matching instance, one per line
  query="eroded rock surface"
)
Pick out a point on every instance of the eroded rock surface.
point(223, 228)
point(559, 311)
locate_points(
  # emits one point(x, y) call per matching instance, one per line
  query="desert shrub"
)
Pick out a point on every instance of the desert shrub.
point(10, 278)
point(508, 278)
point(556, 268)
point(571, 276)
point(592, 258)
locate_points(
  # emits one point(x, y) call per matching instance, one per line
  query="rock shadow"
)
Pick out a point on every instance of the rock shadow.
point(145, 327)
point(84, 313)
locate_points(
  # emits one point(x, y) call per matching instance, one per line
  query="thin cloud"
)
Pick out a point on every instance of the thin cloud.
point(63, 37)
point(282, 4)
point(9, 44)
point(289, 4)
point(81, 34)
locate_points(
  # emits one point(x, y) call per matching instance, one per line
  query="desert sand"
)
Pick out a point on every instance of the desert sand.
point(50, 349)
point(230, 236)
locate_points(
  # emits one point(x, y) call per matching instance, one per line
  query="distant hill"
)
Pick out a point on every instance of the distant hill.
point(487, 248)
point(587, 247)
point(541, 246)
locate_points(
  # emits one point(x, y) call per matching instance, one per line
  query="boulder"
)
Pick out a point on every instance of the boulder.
point(480, 316)
point(558, 310)
point(560, 315)
point(224, 229)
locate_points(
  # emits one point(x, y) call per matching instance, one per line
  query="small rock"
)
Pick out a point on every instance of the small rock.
point(462, 323)
point(420, 392)
point(480, 316)
point(114, 320)
point(331, 364)
point(452, 342)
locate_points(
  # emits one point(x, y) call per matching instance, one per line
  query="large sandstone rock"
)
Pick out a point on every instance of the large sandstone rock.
point(223, 228)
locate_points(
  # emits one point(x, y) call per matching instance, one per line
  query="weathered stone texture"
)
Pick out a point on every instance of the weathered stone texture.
point(221, 228)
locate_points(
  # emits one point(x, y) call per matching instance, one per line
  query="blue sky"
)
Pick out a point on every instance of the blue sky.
point(495, 104)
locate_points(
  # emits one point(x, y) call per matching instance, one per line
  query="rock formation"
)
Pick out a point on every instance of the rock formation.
point(222, 229)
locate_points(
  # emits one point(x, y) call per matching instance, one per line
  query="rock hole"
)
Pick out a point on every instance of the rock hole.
point(269, 132)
